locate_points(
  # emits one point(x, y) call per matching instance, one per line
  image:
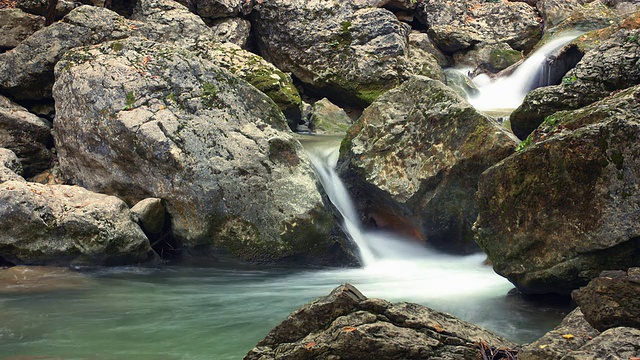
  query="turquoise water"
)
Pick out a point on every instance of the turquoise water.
point(204, 313)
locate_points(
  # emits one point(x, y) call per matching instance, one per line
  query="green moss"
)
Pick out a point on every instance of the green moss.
point(117, 46)
point(370, 95)
point(129, 100)
point(209, 94)
point(524, 144)
point(172, 97)
point(502, 58)
point(568, 80)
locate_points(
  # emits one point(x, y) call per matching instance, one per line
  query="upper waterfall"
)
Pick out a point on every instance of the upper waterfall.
point(507, 93)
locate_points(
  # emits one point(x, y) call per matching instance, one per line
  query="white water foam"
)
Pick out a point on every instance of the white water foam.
point(507, 93)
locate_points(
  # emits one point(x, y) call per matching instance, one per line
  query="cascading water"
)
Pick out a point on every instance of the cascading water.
point(508, 93)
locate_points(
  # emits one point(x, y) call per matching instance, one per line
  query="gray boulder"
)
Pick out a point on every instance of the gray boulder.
point(17, 25)
point(608, 67)
point(458, 25)
point(141, 119)
point(340, 50)
point(572, 333)
point(327, 118)
point(39, 7)
point(150, 215)
point(347, 325)
point(621, 343)
point(611, 300)
point(10, 167)
point(234, 30)
point(564, 208)
point(414, 158)
point(27, 135)
point(26, 72)
point(64, 225)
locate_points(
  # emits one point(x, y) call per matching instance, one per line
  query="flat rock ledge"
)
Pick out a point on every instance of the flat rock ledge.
point(347, 325)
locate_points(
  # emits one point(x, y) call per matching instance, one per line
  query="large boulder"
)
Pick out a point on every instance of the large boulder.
point(40, 7)
point(611, 300)
point(565, 207)
point(619, 343)
point(458, 25)
point(416, 154)
point(341, 50)
point(64, 225)
point(234, 30)
point(26, 72)
point(142, 119)
point(27, 135)
point(328, 118)
point(572, 333)
point(610, 66)
point(16, 25)
point(347, 325)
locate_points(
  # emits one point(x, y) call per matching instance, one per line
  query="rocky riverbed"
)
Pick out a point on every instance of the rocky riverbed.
point(136, 132)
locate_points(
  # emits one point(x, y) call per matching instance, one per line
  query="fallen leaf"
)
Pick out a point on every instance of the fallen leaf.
point(310, 345)
point(568, 336)
point(349, 328)
point(543, 346)
point(634, 358)
point(437, 327)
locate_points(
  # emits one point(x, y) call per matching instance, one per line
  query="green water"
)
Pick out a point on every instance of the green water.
point(204, 313)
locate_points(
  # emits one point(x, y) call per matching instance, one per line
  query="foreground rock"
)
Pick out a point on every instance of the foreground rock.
point(556, 214)
point(414, 158)
point(618, 343)
point(342, 50)
point(27, 135)
point(347, 325)
point(59, 224)
point(141, 119)
point(608, 67)
point(611, 300)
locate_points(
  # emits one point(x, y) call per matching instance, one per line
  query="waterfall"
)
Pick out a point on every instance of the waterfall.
point(509, 92)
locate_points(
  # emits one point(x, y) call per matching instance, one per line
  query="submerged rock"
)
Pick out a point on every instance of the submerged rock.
point(38, 279)
point(63, 225)
point(341, 50)
point(142, 119)
point(611, 300)
point(27, 135)
point(347, 325)
point(414, 158)
point(556, 214)
point(608, 67)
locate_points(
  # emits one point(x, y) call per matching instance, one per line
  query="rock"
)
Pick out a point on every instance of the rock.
point(327, 118)
point(620, 343)
point(16, 25)
point(259, 73)
point(63, 225)
point(565, 207)
point(10, 167)
point(218, 8)
point(491, 58)
point(26, 72)
point(165, 123)
point(234, 30)
point(416, 154)
point(422, 41)
point(608, 67)
point(344, 51)
point(347, 325)
point(27, 280)
point(455, 26)
point(553, 346)
point(39, 7)
point(578, 15)
point(169, 22)
point(27, 135)
point(460, 83)
point(149, 214)
point(611, 300)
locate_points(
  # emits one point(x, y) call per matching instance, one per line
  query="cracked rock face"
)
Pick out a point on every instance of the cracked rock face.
point(140, 119)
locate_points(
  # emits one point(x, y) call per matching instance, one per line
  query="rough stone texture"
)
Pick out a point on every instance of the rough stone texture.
point(460, 83)
point(610, 66)
point(458, 25)
point(142, 119)
point(149, 214)
point(10, 167)
point(340, 50)
point(491, 58)
point(39, 7)
point(27, 135)
point(422, 41)
point(611, 300)
point(415, 154)
point(26, 72)
point(566, 207)
point(59, 224)
point(16, 25)
point(259, 73)
point(218, 8)
point(620, 343)
point(327, 118)
point(168, 22)
point(553, 346)
point(234, 30)
point(346, 325)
